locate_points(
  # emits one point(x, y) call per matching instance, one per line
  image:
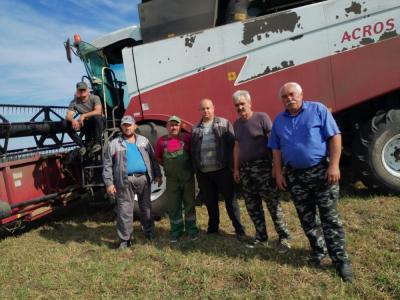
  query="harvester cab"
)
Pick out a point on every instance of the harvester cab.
point(100, 65)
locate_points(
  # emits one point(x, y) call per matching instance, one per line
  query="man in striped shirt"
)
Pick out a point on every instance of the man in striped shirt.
point(212, 143)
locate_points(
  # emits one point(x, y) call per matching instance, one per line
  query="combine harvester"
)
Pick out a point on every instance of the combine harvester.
point(344, 53)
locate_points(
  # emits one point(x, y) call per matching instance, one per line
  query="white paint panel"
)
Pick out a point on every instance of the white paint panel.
point(321, 26)
point(130, 74)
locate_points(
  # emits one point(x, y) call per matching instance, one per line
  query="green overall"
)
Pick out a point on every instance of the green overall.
point(180, 190)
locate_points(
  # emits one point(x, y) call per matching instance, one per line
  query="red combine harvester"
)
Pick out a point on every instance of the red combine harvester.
point(35, 181)
point(344, 53)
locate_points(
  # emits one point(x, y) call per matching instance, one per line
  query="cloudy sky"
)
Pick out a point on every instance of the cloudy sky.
point(33, 65)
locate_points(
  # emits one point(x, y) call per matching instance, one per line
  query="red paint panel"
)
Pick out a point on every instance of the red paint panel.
point(182, 97)
point(3, 191)
point(30, 179)
point(367, 72)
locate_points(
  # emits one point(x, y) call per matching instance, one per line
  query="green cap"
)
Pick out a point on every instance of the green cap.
point(175, 118)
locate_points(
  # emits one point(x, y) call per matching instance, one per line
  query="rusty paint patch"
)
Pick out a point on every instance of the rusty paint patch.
point(388, 35)
point(345, 49)
point(284, 64)
point(297, 37)
point(355, 8)
point(189, 41)
point(278, 23)
point(366, 41)
point(340, 51)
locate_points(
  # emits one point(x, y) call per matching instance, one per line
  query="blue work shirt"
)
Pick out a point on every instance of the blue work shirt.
point(135, 162)
point(303, 138)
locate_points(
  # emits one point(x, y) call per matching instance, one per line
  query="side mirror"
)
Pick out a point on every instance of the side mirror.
point(67, 46)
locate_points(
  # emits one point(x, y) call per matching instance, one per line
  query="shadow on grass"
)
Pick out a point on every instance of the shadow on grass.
point(78, 211)
point(218, 245)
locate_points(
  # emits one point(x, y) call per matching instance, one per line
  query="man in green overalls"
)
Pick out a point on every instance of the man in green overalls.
point(172, 151)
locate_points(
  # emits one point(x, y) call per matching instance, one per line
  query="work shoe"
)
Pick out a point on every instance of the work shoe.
point(150, 237)
point(95, 148)
point(345, 271)
point(212, 231)
point(82, 151)
point(124, 244)
point(316, 261)
point(283, 245)
point(257, 244)
point(241, 235)
point(194, 237)
point(173, 240)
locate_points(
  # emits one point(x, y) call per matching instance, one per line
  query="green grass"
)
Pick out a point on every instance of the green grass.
point(74, 256)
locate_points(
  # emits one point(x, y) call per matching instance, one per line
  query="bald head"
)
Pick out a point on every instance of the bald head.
point(207, 110)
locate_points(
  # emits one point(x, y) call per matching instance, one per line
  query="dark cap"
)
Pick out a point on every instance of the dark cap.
point(175, 118)
point(127, 120)
point(81, 86)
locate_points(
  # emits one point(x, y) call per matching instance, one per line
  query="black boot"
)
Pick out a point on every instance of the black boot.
point(345, 271)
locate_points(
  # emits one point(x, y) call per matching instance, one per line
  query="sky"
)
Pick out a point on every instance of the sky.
point(33, 65)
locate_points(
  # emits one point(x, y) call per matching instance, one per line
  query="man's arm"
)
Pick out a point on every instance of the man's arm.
point(70, 117)
point(157, 176)
point(277, 159)
point(230, 135)
point(335, 150)
point(97, 111)
point(159, 151)
point(236, 162)
point(108, 177)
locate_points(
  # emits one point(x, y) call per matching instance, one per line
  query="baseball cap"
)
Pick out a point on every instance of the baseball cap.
point(127, 120)
point(81, 86)
point(175, 118)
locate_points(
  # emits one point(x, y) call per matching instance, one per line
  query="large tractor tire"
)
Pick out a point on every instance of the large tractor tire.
point(376, 152)
point(158, 196)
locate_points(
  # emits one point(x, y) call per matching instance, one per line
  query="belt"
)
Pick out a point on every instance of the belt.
point(324, 161)
point(254, 162)
point(136, 174)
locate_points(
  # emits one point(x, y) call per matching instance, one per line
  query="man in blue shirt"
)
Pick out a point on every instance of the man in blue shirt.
point(129, 168)
point(306, 140)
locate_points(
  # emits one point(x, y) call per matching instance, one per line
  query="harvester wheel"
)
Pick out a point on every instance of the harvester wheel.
point(376, 152)
point(158, 195)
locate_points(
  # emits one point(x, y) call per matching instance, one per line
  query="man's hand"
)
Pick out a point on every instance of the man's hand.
point(236, 176)
point(76, 125)
point(158, 179)
point(332, 174)
point(111, 190)
point(81, 119)
point(280, 181)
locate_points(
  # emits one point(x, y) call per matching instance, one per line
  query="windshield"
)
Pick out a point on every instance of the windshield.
point(104, 80)
point(93, 59)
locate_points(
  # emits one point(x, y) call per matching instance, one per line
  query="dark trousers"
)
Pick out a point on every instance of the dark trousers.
point(311, 192)
point(211, 185)
point(92, 129)
point(258, 185)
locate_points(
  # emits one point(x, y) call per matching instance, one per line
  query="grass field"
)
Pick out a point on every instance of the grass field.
point(74, 256)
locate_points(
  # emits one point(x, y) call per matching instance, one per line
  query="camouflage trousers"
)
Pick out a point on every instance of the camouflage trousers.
point(311, 191)
point(258, 184)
